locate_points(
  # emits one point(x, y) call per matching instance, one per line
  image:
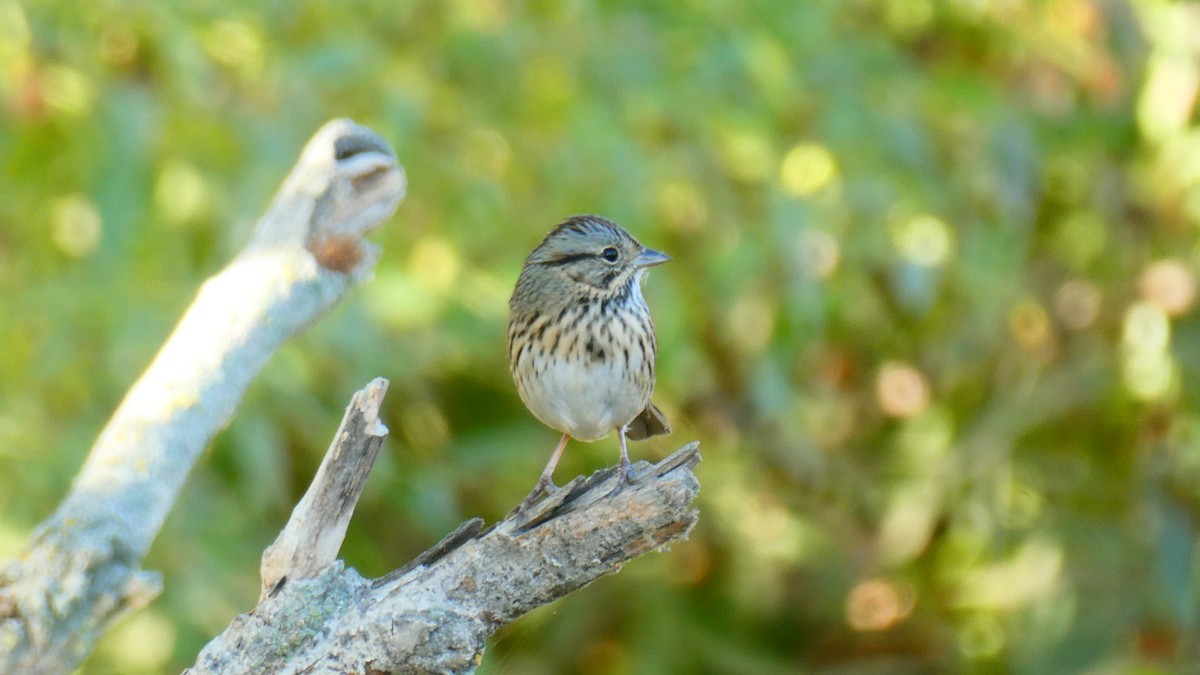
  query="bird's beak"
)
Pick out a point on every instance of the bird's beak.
point(650, 258)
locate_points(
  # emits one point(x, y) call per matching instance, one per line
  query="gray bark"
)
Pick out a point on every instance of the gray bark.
point(313, 535)
point(81, 568)
point(435, 614)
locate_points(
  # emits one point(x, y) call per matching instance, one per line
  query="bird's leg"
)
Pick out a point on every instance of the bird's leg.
point(545, 484)
point(626, 468)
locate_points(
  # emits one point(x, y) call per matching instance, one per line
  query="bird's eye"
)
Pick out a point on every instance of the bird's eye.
point(610, 254)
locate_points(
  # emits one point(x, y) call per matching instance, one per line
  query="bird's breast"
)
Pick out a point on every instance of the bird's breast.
point(585, 372)
point(582, 399)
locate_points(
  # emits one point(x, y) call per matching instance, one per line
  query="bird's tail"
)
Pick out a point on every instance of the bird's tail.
point(649, 422)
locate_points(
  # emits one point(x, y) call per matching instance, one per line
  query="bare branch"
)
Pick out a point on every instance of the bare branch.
point(81, 568)
point(436, 613)
point(313, 535)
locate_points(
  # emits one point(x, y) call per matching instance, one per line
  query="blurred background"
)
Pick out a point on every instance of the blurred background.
point(930, 312)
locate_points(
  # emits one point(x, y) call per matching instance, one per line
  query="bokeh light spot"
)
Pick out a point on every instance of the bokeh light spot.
point(747, 156)
point(1169, 95)
point(68, 90)
point(1146, 327)
point(922, 239)
point(906, 528)
point(751, 322)
point(817, 253)
point(118, 44)
point(878, 604)
point(1080, 238)
point(76, 225)
point(902, 390)
point(1029, 324)
point(1169, 285)
point(487, 151)
point(180, 192)
point(906, 17)
point(235, 44)
point(1031, 574)
point(807, 168)
point(1148, 369)
point(1077, 303)
point(482, 16)
point(1149, 374)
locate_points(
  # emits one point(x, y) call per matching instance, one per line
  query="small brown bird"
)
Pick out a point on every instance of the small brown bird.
point(581, 344)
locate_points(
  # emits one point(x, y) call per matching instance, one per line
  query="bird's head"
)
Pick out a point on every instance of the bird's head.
point(596, 252)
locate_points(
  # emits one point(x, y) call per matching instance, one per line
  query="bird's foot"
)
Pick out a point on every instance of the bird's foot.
point(544, 487)
point(624, 477)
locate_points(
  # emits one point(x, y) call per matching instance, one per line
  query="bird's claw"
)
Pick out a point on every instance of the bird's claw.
point(543, 488)
point(624, 478)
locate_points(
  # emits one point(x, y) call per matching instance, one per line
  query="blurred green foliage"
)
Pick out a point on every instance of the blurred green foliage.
point(930, 312)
